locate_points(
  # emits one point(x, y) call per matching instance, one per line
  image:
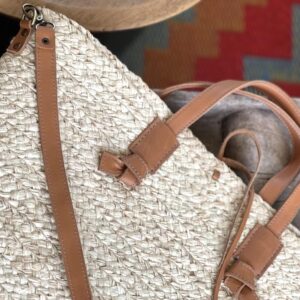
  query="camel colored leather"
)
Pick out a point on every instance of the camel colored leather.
point(54, 165)
point(148, 151)
point(258, 250)
point(18, 43)
point(218, 91)
point(247, 201)
point(252, 258)
point(286, 213)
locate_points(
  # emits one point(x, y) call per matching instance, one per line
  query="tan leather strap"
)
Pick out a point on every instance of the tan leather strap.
point(258, 251)
point(54, 165)
point(246, 201)
point(18, 43)
point(205, 101)
point(262, 244)
point(216, 92)
point(254, 255)
point(286, 213)
point(147, 152)
point(183, 86)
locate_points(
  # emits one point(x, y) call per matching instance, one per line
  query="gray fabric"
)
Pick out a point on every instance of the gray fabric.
point(241, 112)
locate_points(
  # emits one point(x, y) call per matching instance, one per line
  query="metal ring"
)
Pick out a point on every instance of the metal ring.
point(30, 12)
point(45, 23)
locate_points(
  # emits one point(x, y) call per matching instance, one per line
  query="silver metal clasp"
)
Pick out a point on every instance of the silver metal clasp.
point(35, 15)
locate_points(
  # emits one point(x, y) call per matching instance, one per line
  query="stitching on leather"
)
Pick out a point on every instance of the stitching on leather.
point(45, 157)
point(214, 103)
point(132, 167)
point(272, 257)
point(101, 162)
point(64, 181)
point(143, 162)
point(145, 133)
point(44, 141)
point(247, 240)
point(133, 170)
point(242, 279)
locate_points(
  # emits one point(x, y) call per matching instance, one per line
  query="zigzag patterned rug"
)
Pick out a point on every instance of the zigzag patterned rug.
point(221, 39)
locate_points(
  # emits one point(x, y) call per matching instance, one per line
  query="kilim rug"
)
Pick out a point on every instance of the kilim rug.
point(221, 39)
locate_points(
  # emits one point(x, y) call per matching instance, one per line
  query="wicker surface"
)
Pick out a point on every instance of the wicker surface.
point(162, 240)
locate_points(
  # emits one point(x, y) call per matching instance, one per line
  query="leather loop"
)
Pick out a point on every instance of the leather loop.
point(128, 169)
point(111, 164)
point(18, 43)
point(252, 258)
point(137, 166)
point(243, 273)
point(239, 290)
point(148, 151)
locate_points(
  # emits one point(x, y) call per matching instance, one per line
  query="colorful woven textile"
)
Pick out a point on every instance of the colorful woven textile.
point(221, 39)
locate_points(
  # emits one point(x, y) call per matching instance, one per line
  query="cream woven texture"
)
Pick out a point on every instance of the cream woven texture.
point(162, 240)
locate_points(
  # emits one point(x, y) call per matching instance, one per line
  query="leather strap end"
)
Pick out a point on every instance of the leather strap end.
point(243, 273)
point(148, 152)
point(129, 179)
point(253, 257)
point(111, 164)
point(20, 40)
point(137, 167)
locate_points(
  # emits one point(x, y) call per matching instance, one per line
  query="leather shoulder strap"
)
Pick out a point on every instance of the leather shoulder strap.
point(54, 165)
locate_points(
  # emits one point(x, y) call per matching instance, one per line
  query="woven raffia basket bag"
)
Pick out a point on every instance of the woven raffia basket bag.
point(104, 194)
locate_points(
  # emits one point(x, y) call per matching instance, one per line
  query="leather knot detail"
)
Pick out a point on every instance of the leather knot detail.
point(240, 280)
point(129, 169)
point(253, 257)
point(148, 152)
point(243, 273)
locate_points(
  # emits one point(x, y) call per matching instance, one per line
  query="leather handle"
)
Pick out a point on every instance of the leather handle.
point(247, 201)
point(288, 112)
point(218, 91)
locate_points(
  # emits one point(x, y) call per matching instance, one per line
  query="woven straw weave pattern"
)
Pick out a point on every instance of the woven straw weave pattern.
point(162, 240)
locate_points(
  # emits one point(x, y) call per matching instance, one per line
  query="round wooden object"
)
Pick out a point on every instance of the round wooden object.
point(107, 15)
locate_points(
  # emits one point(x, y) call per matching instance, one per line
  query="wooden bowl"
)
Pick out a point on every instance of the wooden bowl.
point(107, 15)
